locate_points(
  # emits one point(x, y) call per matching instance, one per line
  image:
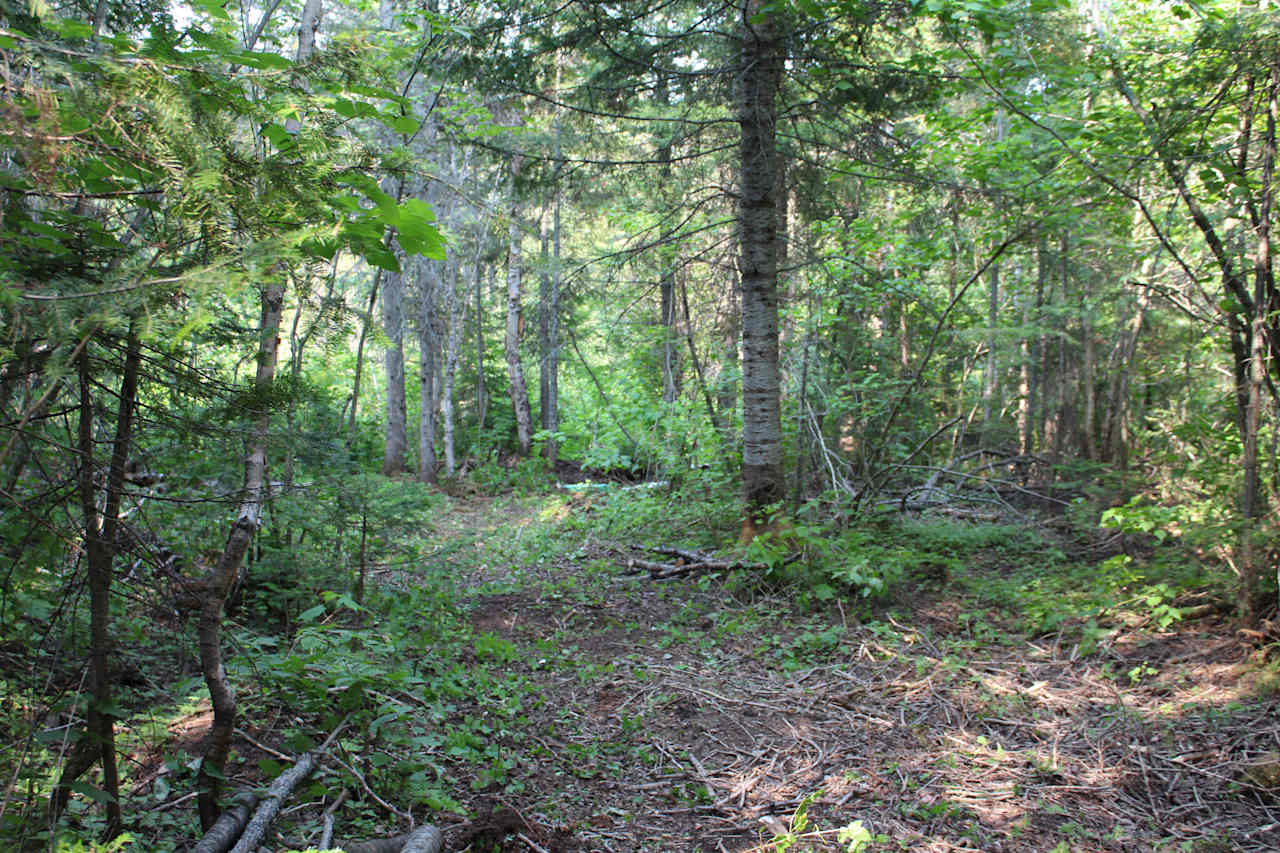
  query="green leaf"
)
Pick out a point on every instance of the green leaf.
point(214, 8)
point(71, 29)
point(380, 257)
point(376, 92)
point(98, 795)
point(311, 614)
point(401, 124)
point(416, 210)
point(279, 137)
point(74, 123)
point(418, 234)
point(264, 61)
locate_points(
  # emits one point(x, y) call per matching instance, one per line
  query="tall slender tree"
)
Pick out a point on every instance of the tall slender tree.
point(760, 66)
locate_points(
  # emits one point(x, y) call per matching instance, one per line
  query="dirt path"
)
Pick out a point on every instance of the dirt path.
point(682, 716)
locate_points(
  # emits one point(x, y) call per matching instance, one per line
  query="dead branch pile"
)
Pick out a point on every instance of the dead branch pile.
point(686, 563)
point(242, 827)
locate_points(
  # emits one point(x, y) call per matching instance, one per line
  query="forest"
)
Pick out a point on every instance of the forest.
point(745, 425)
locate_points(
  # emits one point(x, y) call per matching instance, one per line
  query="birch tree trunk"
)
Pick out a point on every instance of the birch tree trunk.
point(544, 319)
point(515, 328)
point(397, 442)
point(759, 79)
point(365, 320)
point(227, 569)
point(551, 406)
point(453, 343)
point(992, 368)
point(482, 388)
point(428, 369)
point(1035, 352)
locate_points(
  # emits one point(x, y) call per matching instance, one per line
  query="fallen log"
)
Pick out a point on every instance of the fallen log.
point(227, 828)
point(279, 791)
point(424, 839)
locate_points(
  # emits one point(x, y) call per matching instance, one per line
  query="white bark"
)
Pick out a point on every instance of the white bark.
point(515, 328)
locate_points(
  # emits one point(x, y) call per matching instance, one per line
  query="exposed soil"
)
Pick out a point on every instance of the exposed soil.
point(680, 717)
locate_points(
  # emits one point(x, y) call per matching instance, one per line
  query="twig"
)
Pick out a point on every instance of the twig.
point(365, 787)
point(532, 845)
point(326, 835)
point(267, 749)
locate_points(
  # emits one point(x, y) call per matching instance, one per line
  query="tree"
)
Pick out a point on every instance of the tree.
point(515, 329)
point(759, 78)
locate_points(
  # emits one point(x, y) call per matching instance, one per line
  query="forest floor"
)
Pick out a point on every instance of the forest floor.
point(707, 715)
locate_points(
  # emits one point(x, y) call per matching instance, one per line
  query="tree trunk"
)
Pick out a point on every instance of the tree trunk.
point(1035, 352)
point(1254, 545)
point(1115, 438)
point(100, 551)
point(270, 805)
point(397, 442)
point(670, 346)
point(515, 329)
point(544, 319)
point(714, 416)
point(225, 831)
point(359, 369)
point(226, 571)
point(991, 371)
point(428, 369)
point(667, 283)
point(759, 79)
point(454, 314)
point(1088, 379)
point(551, 406)
point(482, 388)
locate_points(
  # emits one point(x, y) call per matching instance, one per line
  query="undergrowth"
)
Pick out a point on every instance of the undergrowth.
point(374, 632)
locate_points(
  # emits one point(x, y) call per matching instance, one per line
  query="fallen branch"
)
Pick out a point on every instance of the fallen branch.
point(424, 839)
point(250, 835)
point(270, 806)
point(690, 563)
point(327, 819)
point(228, 826)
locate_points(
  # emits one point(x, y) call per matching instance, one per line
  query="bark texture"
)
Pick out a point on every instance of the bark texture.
point(228, 826)
point(424, 839)
point(759, 78)
point(515, 328)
